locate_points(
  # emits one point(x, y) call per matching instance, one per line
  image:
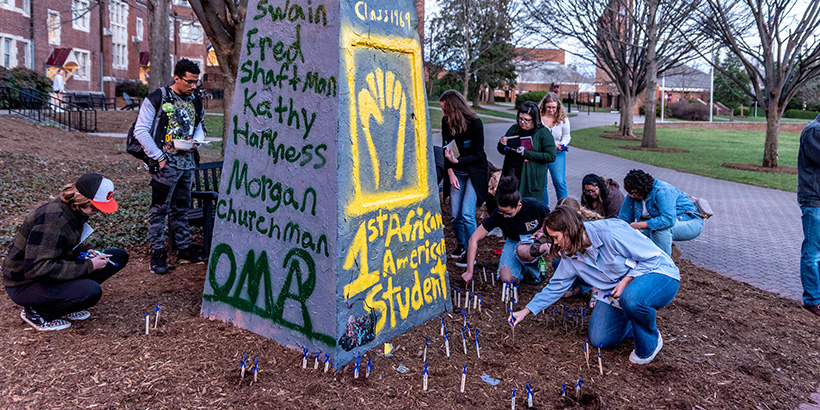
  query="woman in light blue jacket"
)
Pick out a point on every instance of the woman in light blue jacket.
point(634, 278)
point(659, 210)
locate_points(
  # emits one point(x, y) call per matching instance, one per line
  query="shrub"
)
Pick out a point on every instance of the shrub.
point(746, 111)
point(800, 114)
point(689, 111)
point(22, 78)
point(133, 88)
point(642, 110)
point(534, 96)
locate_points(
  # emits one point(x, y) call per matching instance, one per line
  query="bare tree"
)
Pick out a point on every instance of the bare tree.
point(626, 39)
point(159, 46)
point(224, 22)
point(778, 47)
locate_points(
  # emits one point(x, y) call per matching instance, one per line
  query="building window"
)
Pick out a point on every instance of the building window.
point(118, 15)
point(8, 3)
point(198, 62)
point(171, 28)
point(139, 29)
point(6, 52)
point(84, 61)
point(190, 33)
point(53, 27)
point(183, 3)
point(80, 15)
point(26, 6)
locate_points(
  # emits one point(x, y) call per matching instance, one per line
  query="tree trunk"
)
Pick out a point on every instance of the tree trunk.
point(159, 44)
point(476, 97)
point(228, 86)
point(772, 134)
point(627, 117)
point(650, 139)
point(490, 95)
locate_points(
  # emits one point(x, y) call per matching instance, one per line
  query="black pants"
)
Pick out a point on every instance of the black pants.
point(55, 299)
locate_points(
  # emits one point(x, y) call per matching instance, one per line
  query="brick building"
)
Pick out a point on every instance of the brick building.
point(542, 69)
point(45, 36)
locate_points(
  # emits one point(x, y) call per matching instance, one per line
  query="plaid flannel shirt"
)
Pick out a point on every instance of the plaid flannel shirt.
point(43, 248)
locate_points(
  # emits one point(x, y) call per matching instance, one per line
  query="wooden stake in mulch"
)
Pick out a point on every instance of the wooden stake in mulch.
point(563, 390)
point(463, 313)
point(255, 368)
point(242, 366)
point(469, 333)
point(484, 272)
point(463, 377)
point(464, 340)
point(147, 323)
point(512, 323)
point(475, 300)
point(600, 365)
point(479, 303)
point(529, 395)
point(327, 361)
point(156, 318)
point(356, 369)
point(304, 359)
point(578, 389)
point(458, 296)
point(369, 368)
point(425, 374)
point(586, 351)
point(442, 324)
point(316, 361)
point(477, 350)
point(467, 299)
point(492, 277)
point(515, 291)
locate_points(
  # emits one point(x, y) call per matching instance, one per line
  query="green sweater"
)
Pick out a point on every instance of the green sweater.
point(534, 172)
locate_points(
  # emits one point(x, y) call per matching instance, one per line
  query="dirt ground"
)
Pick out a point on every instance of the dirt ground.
point(726, 344)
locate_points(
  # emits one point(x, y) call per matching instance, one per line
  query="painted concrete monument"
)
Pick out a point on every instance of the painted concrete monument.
point(328, 226)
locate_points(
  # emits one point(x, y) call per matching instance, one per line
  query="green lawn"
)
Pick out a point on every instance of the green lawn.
point(709, 149)
point(213, 124)
point(763, 119)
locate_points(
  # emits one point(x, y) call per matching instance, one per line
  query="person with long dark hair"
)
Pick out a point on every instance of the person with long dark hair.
point(633, 277)
point(468, 172)
point(528, 147)
point(554, 118)
point(660, 211)
point(518, 219)
point(601, 195)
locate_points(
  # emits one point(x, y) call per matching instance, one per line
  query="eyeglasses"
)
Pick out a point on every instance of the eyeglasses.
point(550, 107)
point(526, 120)
point(191, 82)
point(590, 191)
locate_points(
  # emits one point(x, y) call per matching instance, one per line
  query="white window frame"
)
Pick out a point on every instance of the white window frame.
point(182, 3)
point(200, 63)
point(25, 6)
point(8, 56)
point(171, 28)
point(82, 73)
point(10, 45)
point(80, 19)
point(11, 5)
point(186, 30)
point(118, 21)
point(140, 29)
point(57, 27)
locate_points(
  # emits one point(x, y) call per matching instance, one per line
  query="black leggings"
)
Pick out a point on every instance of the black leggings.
point(55, 299)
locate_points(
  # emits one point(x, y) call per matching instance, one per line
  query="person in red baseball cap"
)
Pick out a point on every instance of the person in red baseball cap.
point(48, 271)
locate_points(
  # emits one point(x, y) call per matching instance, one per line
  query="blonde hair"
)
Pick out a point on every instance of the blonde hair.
point(73, 198)
point(586, 214)
point(456, 111)
point(560, 114)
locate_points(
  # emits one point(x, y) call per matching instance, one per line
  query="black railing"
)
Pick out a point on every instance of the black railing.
point(43, 108)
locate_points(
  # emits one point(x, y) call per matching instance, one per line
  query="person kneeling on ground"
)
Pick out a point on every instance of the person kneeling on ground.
point(518, 218)
point(46, 272)
point(660, 211)
point(601, 195)
point(634, 277)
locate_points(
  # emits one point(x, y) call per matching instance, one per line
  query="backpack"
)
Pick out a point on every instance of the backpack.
point(704, 210)
point(132, 144)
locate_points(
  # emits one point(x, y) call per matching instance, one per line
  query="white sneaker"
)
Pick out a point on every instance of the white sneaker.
point(78, 315)
point(637, 360)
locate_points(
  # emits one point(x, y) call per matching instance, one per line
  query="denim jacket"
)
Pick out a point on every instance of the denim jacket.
point(665, 204)
point(617, 251)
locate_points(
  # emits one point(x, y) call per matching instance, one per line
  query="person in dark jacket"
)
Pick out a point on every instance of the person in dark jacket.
point(48, 271)
point(528, 147)
point(601, 195)
point(808, 196)
point(169, 128)
point(468, 173)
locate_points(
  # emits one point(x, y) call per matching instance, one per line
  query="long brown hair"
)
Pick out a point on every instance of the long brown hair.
point(565, 220)
point(560, 114)
point(586, 214)
point(456, 111)
point(73, 198)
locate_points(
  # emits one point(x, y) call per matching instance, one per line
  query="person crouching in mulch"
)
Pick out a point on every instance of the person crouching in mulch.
point(47, 271)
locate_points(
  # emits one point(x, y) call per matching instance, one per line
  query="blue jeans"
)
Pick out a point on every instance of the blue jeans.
point(608, 325)
point(462, 209)
point(810, 255)
point(509, 258)
point(558, 172)
point(682, 230)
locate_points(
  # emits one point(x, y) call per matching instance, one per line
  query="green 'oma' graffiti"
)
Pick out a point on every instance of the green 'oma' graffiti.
point(257, 270)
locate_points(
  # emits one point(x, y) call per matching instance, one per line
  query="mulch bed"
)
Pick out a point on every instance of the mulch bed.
point(759, 168)
point(616, 135)
point(726, 345)
point(658, 149)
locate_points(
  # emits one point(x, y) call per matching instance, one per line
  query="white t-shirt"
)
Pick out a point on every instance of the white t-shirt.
point(560, 132)
point(59, 83)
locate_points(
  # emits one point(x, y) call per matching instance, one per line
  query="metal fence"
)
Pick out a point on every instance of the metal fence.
point(45, 109)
